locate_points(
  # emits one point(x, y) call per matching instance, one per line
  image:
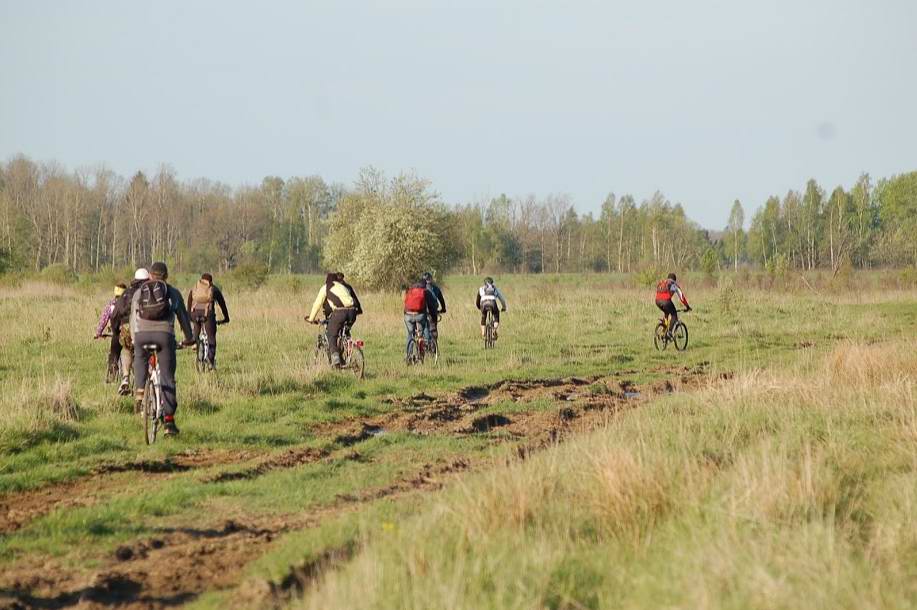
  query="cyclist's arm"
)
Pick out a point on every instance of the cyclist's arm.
point(499, 296)
point(103, 321)
point(218, 297)
point(441, 299)
point(477, 300)
point(184, 320)
point(681, 296)
point(190, 300)
point(317, 305)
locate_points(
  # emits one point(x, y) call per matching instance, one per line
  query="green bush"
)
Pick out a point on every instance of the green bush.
point(59, 273)
point(646, 277)
point(249, 275)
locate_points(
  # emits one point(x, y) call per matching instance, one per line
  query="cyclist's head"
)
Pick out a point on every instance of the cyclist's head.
point(489, 280)
point(159, 271)
point(207, 278)
point(672, 277)
point(330, 278)
point(340, 276)
point(141, 274)
point(119, 289)
point(427, 277)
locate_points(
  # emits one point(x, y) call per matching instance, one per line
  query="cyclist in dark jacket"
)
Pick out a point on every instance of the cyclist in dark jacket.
point(203, 312)
point(121, 332)
point(441, 304)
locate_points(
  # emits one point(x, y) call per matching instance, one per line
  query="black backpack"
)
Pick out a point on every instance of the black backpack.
point(154, 301)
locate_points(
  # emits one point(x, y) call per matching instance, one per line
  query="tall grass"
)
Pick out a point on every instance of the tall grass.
point(774, 489)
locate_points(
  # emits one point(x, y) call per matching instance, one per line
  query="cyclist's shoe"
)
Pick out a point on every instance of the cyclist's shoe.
point(335, 361)
point(168, 426)
point(125, 388)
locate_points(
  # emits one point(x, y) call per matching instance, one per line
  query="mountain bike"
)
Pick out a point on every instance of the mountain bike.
point(419, 346)
point(202, 361)
point(151, 408)
point(433, 347)
point(678, 334)
point(112, 373)
point(352, 357)
point(490, 331)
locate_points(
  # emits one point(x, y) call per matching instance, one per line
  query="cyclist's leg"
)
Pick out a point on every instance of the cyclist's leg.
point(211, 326)
point(409, 322)
point(483, 319)
point(335, 325)
point(433, 320)
point(671, 315)
point(114, 348)
point(425, 325)
point(167, 361)
point(140, 363)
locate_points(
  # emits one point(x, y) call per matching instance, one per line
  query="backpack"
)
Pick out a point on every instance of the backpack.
point(154, 301)
point(202, 296)
point(415, 299)
point(490, 290)
point(663, 290)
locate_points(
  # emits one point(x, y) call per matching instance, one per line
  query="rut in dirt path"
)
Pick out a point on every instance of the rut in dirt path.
point(17, 509)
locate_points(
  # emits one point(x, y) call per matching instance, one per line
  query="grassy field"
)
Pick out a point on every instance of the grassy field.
point(772, 465)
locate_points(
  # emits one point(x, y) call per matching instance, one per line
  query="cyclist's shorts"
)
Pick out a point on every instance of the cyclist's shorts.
point(492, 307)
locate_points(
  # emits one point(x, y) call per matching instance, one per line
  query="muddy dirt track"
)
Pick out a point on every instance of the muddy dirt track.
point(176, 565)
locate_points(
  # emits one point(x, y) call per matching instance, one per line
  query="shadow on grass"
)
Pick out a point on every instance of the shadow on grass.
point(17, 440)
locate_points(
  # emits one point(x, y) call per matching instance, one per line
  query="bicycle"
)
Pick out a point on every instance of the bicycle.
point(112, 372)
point(151, 408)
point(352, 357)
point(204, 362)
point(433, 348)
point(490, 331)
point(678, 334)
point(418, 346)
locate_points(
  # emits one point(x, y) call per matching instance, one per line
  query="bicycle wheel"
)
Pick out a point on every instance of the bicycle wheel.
point(680, 336)
point(148, 412)
point(659, 338)
point(200, 358)
point(433, 350)
point(357, 362)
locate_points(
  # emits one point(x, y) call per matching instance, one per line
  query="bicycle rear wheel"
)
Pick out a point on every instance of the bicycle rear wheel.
point(148, 412)
point(680, 336)
point(659, 338)
point(200, 358)
point(357, 362)
point(433, 350)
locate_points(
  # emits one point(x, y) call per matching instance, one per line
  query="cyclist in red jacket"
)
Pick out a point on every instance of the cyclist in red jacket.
point(665, 289)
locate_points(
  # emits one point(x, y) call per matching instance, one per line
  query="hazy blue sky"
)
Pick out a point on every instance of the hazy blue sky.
point(707, 101)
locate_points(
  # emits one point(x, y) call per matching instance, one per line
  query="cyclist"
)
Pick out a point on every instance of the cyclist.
point(441, 303)
point(487, 298)
point(105, 319)
point(154, 308)
point(202, 301)
point(121, 330)
point(419, 306)
point(665, 289)
point(338, 299)
point(353, 294)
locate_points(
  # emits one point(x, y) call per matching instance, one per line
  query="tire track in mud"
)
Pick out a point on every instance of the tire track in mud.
point(177, 565)
point(17, 509)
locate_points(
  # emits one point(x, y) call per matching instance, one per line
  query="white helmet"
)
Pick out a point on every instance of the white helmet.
point(141, 274)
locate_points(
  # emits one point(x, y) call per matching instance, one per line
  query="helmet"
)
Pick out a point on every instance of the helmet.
point(119, 289)
point(427, 276)
point(207, 277)
point(672, 277)
point(159, 269)
point(141, 274)
point(488, 280)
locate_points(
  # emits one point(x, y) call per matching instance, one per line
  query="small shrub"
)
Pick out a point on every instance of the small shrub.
point(727, 296)
point(250, 275)
point(59, 273)
point(646, 277)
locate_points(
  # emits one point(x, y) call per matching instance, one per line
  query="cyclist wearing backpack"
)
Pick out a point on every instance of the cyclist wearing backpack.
point(201, 305)
point(419, 307)
point(441, 302)
point(154, 307)
point(487, 298)
point(665, 289)
point(121, 340)
point(340, 300)
point(106, 319)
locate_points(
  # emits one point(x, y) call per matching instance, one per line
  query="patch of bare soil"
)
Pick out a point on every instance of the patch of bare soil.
point(18, 509)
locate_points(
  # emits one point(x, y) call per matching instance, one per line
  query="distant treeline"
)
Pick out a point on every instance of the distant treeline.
point(95, 220)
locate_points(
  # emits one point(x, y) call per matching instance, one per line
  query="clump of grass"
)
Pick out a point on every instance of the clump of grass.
point(33, 415)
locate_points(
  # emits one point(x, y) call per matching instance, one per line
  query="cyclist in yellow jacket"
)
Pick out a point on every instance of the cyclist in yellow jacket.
point(342, 301)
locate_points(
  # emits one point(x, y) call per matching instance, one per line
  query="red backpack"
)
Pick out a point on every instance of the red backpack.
point(415, 299)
